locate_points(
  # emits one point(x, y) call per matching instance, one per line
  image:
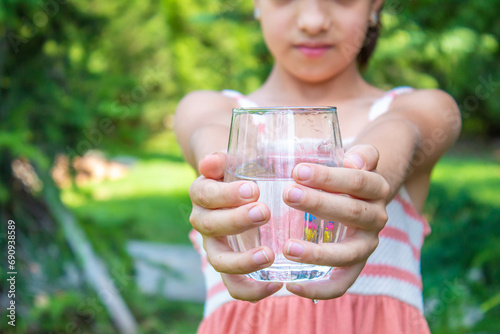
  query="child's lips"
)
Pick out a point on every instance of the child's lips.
point(313, 51)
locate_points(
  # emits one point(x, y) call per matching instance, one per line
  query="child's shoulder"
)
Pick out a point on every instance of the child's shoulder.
point(436, 116)
point(431, 106)
point(420, 99)
point(203, 101)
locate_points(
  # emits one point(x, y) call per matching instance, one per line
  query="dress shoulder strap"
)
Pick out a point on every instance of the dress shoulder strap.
point(381, 106)
point(241, 99)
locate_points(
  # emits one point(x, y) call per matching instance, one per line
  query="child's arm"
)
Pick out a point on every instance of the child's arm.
point(410, 139)
point(202, 121)
point(219, 209)
point(419, 128)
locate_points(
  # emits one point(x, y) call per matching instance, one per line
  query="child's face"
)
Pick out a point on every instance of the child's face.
point(315, 39)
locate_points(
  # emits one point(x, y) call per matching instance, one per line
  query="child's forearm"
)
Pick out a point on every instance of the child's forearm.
point(396, 141)
point(202, 123)
point(206, 140)
point(413, 136)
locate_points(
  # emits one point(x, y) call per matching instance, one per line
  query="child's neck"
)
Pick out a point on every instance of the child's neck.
point(282, 88)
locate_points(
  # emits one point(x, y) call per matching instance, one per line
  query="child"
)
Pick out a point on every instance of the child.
point(393, 139)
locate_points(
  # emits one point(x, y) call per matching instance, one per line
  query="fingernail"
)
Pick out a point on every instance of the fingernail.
point(356, 161)
point(294, 195)
point(304, 173)
point(295, 249)
point(260, 257)
point(295, 288)
point(246, 191)
point(256, 214)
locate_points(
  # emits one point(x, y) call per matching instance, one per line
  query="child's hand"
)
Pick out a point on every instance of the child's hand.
point(221, 209)
point(355, 196)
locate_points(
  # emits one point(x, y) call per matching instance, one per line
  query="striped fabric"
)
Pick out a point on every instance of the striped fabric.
point(392, 270)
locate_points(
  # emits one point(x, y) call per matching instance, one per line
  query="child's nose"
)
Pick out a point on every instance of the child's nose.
point(312, 18)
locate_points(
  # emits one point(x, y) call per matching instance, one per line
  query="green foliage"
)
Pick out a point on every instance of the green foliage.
point(460, 258)
point(67, 312)
point(448, 45)
point(158, 315)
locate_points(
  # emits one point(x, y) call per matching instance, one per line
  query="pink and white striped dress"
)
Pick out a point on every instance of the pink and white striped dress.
point(386, 297)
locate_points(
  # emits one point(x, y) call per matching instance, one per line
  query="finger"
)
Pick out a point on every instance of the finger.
point(336, 286)
point(331, 207)
point(357, 183)
point(212, 166)
point(225, 260)
point(361, 157)
point(213, 194)
point(353, 249)
point(243, 288)
point(229, 221)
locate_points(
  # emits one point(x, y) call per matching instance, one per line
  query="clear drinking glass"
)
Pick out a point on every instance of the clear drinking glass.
point(265, 144)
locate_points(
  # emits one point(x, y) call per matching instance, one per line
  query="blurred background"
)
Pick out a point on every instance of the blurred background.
point(93, 178)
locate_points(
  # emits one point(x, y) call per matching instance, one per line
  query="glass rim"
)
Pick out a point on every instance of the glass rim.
point(294, 109)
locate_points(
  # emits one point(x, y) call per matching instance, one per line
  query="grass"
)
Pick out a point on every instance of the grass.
point(151, 202)
point(479, 177)
point(459, 259)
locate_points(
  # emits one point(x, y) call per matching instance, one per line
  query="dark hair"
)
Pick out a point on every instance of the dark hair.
point(370, 43)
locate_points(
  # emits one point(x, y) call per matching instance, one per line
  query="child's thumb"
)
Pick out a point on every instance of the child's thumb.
point(363, 157)
point(212, 165)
